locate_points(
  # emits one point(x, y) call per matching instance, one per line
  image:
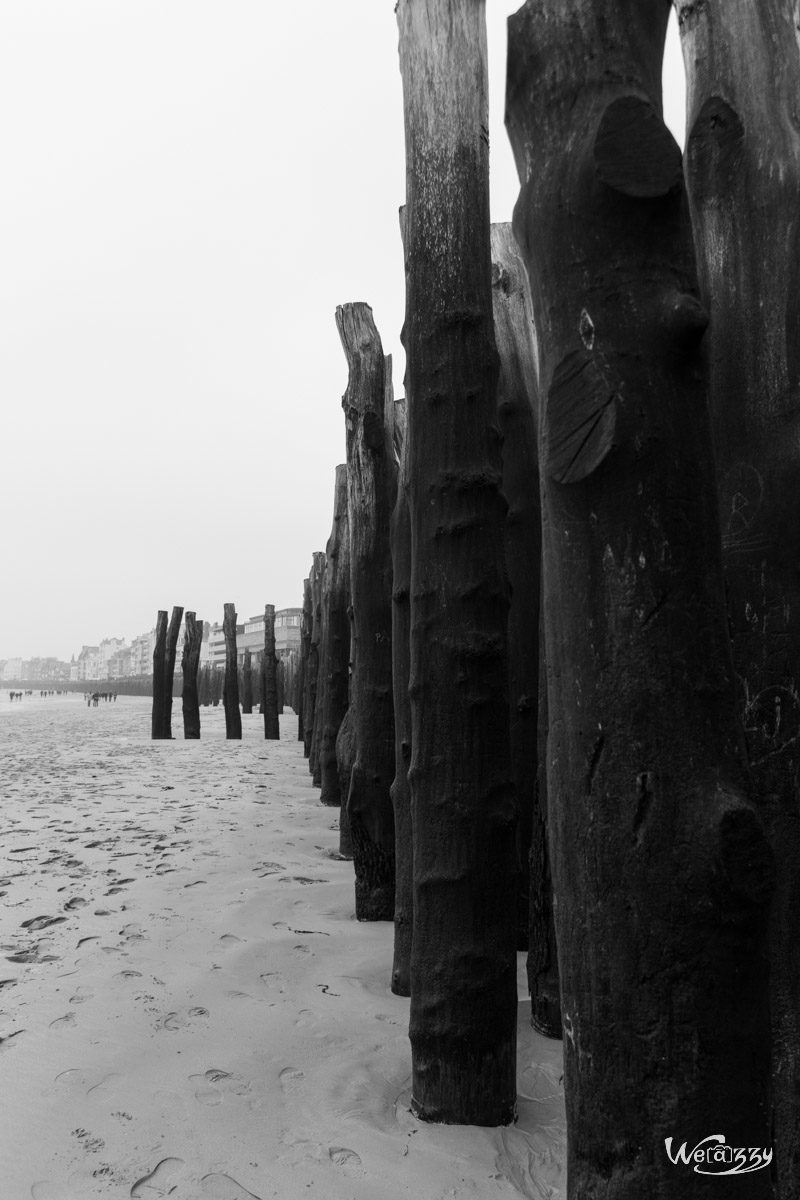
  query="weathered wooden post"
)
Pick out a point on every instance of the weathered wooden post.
point(317, 683)
point(335, 665)
point(661, 870)
point(158, 722)
point(400, 539)
point(463, 961)
point(742, 165)
point(517, 408)
point(516, 400)
point(190, 661)
point(247, 682)
point(305, 641)
point(345, 757)
point(371, 487)
point(230, 690)
point(173, 630)
point(269, 686)
point(307, 627)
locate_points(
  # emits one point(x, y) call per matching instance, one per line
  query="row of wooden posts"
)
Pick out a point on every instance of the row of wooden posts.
point(541, 740)
point(273, 679)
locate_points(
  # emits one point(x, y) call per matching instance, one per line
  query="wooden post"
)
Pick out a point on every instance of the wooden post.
point(743, 171)
point(247, 682)
point(169, 667)
point(517, 408)
point(158, 729)
point(345, 757)
point(335, 665)
point(305, 640)
point(317, 683)
point(268, 677)
point(371, 486)
point(661, 871)
point(230, 691)
point(400, 538)
point(463, 1034)
point(192, 641)
point(308, 624)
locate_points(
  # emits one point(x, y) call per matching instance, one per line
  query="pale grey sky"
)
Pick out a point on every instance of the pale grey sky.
point(190, 187)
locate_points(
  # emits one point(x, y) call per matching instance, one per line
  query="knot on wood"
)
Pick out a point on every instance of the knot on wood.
point(688, 13)
point(714, 147)
point(634, 152)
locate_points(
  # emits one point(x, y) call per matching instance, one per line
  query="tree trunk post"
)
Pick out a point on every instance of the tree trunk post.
point(230, 691)
point(335, 665)
point(661, 871)
point(173, 630)
point(516, 401)
point(400, 538)
point(345, 757)
point(463, 1038)
point(190, 661)
point(743, 171)
point(269, 683)
point(371, 485)
point(158, 724)
point(308, 700)
point(315, 656)
point(305, 642)
point(247, 682)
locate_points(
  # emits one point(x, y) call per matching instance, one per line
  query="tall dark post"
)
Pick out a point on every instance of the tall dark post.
point(400, 538)
point(190, 661)
point(247, 682)
point(742, 166)
point(317, 683)
point(159, 720)
point(169, 666)
point(269, 684)
point(371, 487)
point(305, 642)
point(309, 669)
point(661, 871)
point(463, 960)
point(335, 664)
point(230, 691)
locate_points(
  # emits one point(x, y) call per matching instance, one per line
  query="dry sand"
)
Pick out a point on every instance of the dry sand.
point(187, 1006)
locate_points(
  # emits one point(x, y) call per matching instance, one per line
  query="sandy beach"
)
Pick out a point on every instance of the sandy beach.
point(188, 1007)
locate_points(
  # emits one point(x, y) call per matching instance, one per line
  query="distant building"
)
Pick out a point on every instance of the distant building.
point(141, 653)
point(250, 636)
point(12, 668)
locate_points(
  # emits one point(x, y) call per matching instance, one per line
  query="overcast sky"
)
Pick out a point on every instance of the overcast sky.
point(190, 187)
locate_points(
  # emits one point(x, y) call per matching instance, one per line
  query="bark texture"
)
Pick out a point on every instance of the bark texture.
point(158, 728)
point(230, 691)
point(269, 683)
point(743, 171)
point(335, 664)
point(190, 662)
point(661, 870)
point(463, 962)
point(400, 535)
point(345, 757)
point(371, 486)
point(247, 682)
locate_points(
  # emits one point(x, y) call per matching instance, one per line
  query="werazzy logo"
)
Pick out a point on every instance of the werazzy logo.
point(712, 1156)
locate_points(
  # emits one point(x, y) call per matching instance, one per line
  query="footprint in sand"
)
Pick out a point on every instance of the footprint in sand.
point(173, 1021)
point(63, 1022)
point(289, 1079)
point(159, 1181)
point(75, 902)
point(212, 1087)
point(344, 1157)
point(81, 996)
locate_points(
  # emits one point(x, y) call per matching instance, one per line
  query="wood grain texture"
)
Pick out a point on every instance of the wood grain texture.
point(190, 663)
point(230, 688)
point(335, 661)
